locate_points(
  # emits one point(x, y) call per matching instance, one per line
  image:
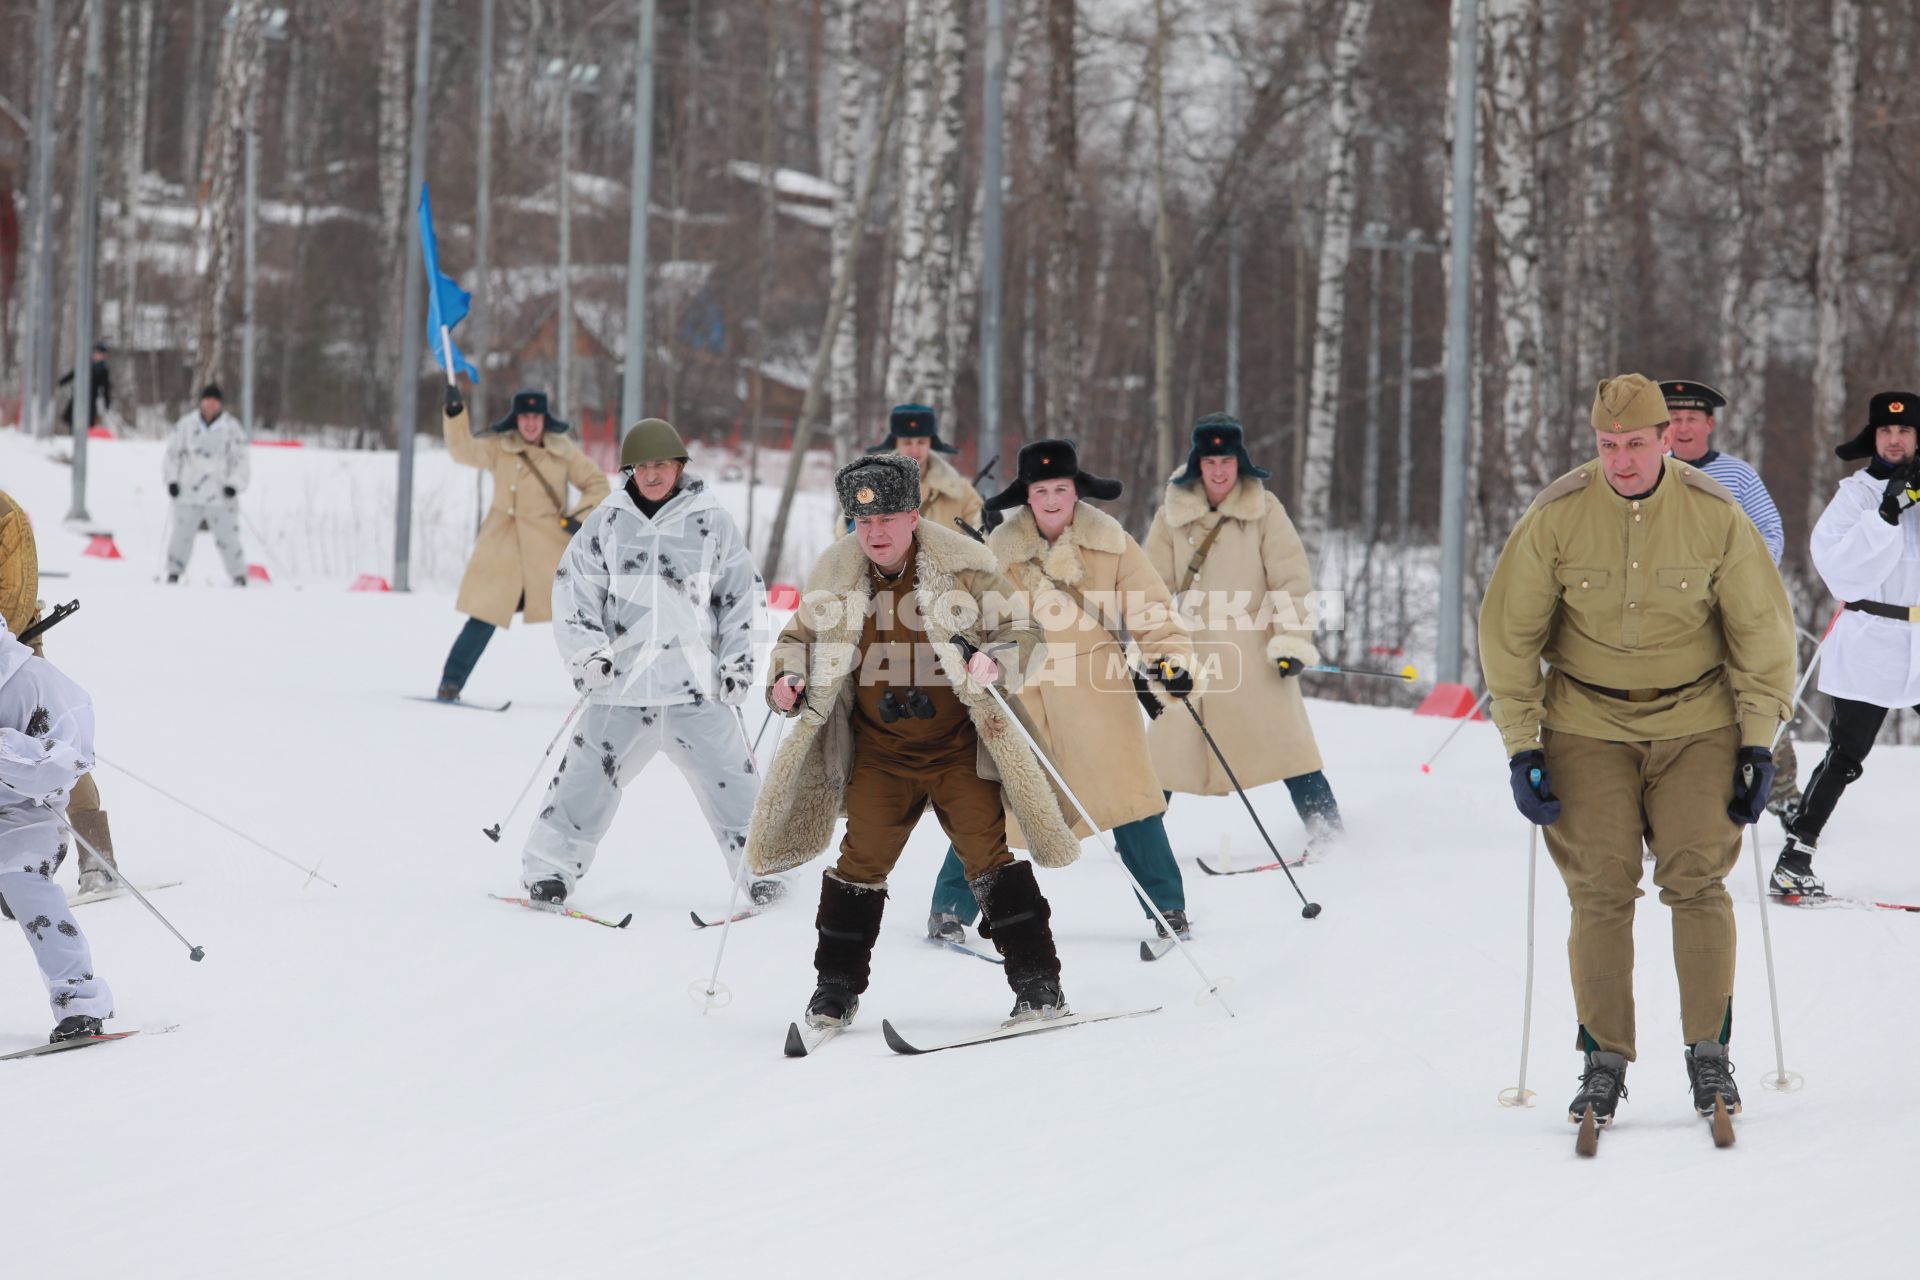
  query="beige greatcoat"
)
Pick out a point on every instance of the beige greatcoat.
point(1255, 714)
point(522, 540)
point(806, 786)
point(945, 493)
point(19, 567)
point(1079, 700)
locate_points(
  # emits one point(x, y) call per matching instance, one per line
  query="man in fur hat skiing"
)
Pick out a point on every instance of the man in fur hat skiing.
point(913, 432)
point(886, 669)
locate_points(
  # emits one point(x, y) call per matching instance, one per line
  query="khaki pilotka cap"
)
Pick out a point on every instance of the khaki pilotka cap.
point(1629, 402)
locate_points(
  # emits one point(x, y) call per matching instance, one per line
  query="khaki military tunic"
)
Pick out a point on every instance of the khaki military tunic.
point(1669, 643)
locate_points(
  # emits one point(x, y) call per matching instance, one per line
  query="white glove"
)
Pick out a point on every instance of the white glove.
point(597, 674)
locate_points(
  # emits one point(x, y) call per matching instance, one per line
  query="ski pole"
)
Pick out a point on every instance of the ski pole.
point(1782, 1079)
point(493, 832)
point(313, 873)
point(1520, 1095)
point(193, 952)
point(713, 988)
point(1455, 732)
point(1307, 909)
point(763, 732)
point(1213, 988)
point(1408, 673)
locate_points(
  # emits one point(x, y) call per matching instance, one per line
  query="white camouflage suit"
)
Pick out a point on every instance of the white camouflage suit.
point(675, 603)
point(206, 459)
point(46, 743)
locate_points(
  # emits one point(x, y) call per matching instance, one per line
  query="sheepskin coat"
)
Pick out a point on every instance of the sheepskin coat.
point(1079, 698)
point(522, 539)
point(805, 789)
point(1255, 714)
point(945, 493)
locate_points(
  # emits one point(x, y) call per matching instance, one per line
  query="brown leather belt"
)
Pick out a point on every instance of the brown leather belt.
point(1643, 695)
point(1898, 612)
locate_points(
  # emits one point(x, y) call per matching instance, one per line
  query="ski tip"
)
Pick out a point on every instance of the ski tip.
point(625, 920)
point(1146, 953)
point(698, 923)
point(1202, 864)
point(1722, 1123)
point(895, 1041)
point(1588, 1142)
point(796, 1043)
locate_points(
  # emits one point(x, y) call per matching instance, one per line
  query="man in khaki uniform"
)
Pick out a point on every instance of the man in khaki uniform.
point(20, 607)
point(1668, 646)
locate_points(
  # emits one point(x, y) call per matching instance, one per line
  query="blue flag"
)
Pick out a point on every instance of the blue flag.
point(447, 302)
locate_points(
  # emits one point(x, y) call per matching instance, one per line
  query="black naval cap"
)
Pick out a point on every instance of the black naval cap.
point(1691, 395)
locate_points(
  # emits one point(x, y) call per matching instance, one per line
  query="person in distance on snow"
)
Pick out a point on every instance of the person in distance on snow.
point(206, 467)
point(1220, 535)
point(46, 745)
point(1081, 573)
point(1689, 437)
point(1866, 548)
point(893, 715)
point(913, 432)
point(20, 609)
point(532, 463)
point(1669, 645)
point(656, 611)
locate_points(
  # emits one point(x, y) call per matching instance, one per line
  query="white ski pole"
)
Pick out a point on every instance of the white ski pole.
point(493, 832)
point(1782, 1079)
point(1213, 988)
point(1520, 1095)
point(714, 995)
point(1448, 740)
point(313, 872)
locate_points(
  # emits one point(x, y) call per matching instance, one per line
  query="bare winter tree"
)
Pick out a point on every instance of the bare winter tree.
point(136, 33)
point(1513, 38)
point(395, 87)
point(1592, 312)
point(240, 61)
point(843, 379)
point(1746, 313)
point(1336, 246)
point(910, 198)
point(1830, 271)
point(1062, 402)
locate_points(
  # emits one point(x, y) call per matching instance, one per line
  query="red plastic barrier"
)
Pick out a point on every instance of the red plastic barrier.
point(278, 444)
point(370, 582)
point(257, 573)
point(783, 595)
point(100, 546)
point(1451, 701)
point(98, 432)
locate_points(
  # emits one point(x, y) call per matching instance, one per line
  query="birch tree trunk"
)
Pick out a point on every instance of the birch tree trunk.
point(137, 36)
point(843, 373)
point(1746, 314)
point(1513, 34)
point(1830, 267)
point(1064, 393)
point(930, 377)
point(1593, 314)
point(1163, 259)
point(396, 81)
point(910, 252)
point(1336, 245)
point(240, 58)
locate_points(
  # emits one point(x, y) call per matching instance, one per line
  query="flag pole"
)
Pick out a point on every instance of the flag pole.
point(446, 354)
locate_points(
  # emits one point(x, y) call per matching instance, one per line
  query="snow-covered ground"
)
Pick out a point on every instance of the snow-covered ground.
point(400, 1077)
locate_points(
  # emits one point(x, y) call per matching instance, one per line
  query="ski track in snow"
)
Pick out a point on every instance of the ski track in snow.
point(403, 1078)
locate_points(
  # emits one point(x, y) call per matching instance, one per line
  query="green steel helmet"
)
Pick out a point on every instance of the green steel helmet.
point(652, 440)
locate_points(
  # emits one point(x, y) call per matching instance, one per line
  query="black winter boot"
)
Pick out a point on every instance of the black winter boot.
point(1711, 1074)
point(77, 1027)
point(849, 925)
point(1014, 916)
point(832, 1006)
point(1602, 1085)
point(554, 891)
point(1793, 873)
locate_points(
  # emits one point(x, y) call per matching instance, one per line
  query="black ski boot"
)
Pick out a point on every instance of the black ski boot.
point(554, 891)
point(849, 924)
point(1178, 919)
point(945, 926)
point(1014, 916)
point(1793, 873)
point(447, 692)
point(1602, 1085)
point(764, 893)
point(832, 1006)
point(77, 1027)
point(1711, 1074)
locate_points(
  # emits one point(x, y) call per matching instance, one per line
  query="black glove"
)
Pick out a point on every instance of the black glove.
point(230, 491)
point(1752, 781)
point(992, 518)
point(1289, 666)
point(1177, 681)
point(1533, 789)
point(571, 525)
point(452, 400)
point(173, 491)
point(1903, 490)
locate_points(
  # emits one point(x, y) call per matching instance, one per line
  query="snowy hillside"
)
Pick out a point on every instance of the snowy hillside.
point(399, 1077)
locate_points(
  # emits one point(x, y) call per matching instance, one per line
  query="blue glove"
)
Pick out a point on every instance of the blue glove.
point(1533, 789)
point(1752, 781)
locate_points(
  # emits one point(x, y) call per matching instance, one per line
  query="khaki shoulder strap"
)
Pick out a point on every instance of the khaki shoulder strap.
point(558, 505)
point(1200, 556)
